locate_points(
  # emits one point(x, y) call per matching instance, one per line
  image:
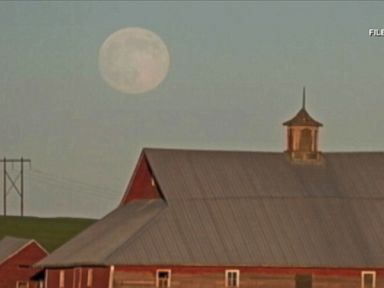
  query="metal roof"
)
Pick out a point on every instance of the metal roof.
point(290, 232)
point(95, 244)
point(186, 174)
point(244, 208)
point(10, 246)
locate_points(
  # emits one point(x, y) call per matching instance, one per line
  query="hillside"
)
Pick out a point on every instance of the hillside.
point(49, 232)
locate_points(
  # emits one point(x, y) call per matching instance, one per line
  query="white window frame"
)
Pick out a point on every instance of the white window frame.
point(237, 272)
point(363, 273)
point(26, 283)
point(90, 277)
point(158, 271)
point(62, 279)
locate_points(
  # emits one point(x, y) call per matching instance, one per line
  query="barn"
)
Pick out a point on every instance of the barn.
point(193, 218)
point(17, 256)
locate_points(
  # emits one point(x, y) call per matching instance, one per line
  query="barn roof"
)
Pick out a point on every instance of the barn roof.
point(246, 209)
point(10, 246)
point(94, 245)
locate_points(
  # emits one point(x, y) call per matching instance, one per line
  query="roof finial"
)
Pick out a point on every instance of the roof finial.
point(304, 97)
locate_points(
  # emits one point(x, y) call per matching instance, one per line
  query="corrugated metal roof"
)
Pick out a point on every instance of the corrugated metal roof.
point(96, 243)
point(244, 208)
point(186, 174)
point(11, 245)
point(290, 232)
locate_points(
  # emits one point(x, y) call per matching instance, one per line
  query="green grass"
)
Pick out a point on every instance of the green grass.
point(49, 232)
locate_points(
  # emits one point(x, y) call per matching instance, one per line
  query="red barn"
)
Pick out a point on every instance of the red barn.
point(16, 259)
point(191, 218)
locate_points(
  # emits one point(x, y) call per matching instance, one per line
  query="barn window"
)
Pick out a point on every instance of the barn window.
point(290, 140)
point(303, 281)
point(61, 279)
point(22, 284)
point(89, 277)
point(163, 278)
point(368, 279)
point(305, 143)
point(232, 278)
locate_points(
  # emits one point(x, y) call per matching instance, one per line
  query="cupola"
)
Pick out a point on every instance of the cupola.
point(303, 136)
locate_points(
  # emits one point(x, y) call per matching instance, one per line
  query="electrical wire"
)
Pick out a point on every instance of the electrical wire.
point(81, 188)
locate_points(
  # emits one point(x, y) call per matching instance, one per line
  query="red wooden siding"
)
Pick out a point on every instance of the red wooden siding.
point(250, 277)
point(193, 276)
point(261, 270)
point(17, 267)
point(142, 185)
point(77, 277)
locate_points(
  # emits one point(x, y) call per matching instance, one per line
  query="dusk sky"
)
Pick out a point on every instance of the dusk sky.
point(237, 72)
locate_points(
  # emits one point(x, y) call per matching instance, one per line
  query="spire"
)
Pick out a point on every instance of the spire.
point(302, 118)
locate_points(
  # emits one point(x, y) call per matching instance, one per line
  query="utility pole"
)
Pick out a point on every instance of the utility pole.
point(16, 182)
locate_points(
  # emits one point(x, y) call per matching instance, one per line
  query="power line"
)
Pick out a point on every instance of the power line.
point(68, 186)
point(76, 186)
point(70, 181)
point(15, 183)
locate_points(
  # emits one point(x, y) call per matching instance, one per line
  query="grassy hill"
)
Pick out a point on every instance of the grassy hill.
point(49, 232)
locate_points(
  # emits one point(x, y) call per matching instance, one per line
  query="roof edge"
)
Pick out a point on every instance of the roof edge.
point(31, 241)
point(254, 151)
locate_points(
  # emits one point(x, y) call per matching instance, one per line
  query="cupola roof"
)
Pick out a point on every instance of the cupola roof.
point(302, 118)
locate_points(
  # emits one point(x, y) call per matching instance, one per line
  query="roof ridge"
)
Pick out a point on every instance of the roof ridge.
point(160, 149)
point(373, 198)
point(206, 150)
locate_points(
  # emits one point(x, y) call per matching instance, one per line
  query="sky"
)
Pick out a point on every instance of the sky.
point(237, 72)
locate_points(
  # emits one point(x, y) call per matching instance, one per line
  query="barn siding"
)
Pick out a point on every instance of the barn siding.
point(77, 277)
point(17, 267)
point(211, 277)
point(142, 185)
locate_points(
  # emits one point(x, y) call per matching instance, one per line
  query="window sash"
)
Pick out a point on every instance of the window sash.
point(163, 278)
point(22, 284)
point(368, 279)
point(232, 278)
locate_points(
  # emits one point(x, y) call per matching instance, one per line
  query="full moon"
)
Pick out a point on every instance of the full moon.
point(133, 60)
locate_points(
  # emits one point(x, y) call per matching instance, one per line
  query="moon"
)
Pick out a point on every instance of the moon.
point(134, 60)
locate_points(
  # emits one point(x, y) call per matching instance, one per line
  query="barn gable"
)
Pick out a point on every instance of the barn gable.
point(142, 184)
point(17, 256)
point(10, 246)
